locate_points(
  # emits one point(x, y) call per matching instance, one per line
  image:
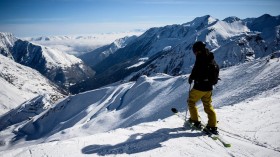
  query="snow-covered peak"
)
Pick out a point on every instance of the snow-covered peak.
point(56, 58)
point(263, 22)
point(201, 22)
point(231, 19)
point(223, 30)
point(122, 42)
point(265, 17)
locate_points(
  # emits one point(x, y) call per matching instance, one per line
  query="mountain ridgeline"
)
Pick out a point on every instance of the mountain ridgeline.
point(168, 49)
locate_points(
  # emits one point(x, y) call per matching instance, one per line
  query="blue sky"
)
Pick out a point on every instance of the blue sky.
point(63, 17)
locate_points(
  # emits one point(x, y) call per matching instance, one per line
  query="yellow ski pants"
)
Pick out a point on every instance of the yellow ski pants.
point(205, 96)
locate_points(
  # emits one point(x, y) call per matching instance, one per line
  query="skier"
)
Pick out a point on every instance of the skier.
point(202, 88)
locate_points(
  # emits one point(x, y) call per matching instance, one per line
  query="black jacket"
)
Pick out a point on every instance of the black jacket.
point(200, 70)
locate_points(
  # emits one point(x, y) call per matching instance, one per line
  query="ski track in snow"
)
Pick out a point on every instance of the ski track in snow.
point(134, 119)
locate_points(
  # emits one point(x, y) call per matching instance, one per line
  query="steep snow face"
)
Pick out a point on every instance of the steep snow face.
point(11, 96)
point(231, 19)
point(55, 65)
point(59, 59)
point(7, 41)
point(223, 31)
point(122, 42)
point(20, 83)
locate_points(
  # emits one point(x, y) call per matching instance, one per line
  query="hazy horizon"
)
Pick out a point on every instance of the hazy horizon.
point(68, 17)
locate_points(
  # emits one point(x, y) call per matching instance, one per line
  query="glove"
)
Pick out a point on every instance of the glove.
point(190, 80)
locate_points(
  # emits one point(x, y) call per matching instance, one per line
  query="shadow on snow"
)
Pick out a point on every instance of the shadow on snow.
point(140, 142)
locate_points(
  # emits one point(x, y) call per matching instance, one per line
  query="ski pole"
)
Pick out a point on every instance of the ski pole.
point(188, 100)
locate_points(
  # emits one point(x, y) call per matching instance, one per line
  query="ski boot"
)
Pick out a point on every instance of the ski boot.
point(212, 130)
point(196, 124)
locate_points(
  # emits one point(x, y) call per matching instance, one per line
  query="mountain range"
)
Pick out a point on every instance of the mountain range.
point(168, 49)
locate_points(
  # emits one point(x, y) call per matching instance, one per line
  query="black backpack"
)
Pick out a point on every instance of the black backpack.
point(213, 72)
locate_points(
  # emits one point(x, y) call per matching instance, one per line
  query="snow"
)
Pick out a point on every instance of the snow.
point(141, 61)
point(52, 63)
point(7, 40)
point(10, 97)
point(134, 118)
point(167, 48)
point(136, 65)
point(20, 83)
point(201, 21)
point(57, 58)
point(223, 30)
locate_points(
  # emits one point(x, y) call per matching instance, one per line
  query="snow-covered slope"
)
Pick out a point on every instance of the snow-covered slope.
point(135, 118)
point(80, 44)
point(20, 83)
point(166, 137)
point(55, 65)
point(7, 41)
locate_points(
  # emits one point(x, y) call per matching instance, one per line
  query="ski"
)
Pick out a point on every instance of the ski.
point(208, 133)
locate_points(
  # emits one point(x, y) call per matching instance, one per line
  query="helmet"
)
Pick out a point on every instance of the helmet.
point(198, 46)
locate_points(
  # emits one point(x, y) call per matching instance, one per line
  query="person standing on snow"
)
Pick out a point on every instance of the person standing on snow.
point(202, 88)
